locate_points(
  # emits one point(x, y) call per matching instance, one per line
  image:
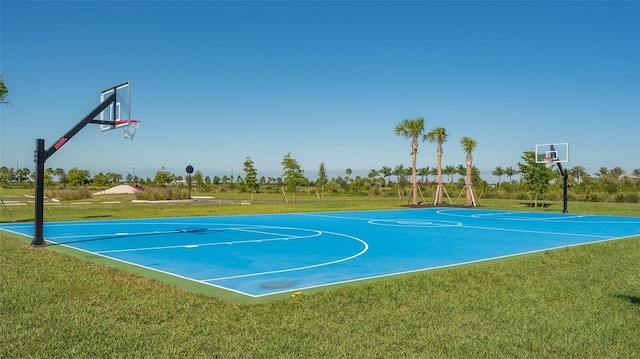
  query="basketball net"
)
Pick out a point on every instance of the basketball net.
point(130, 129)
point(549, 161)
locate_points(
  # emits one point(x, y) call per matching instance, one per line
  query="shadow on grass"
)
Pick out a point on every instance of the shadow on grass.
point(98, 216)
point(533, 205)
point(633, 299)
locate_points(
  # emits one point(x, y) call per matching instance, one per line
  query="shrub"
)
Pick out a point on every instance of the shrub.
point(69, 194)
point(164, 193)
point(627, 198)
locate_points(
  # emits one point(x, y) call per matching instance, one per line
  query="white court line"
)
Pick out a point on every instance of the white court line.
point(208, 281)
point(536, 232)
point(285, 238)
point(436, 267)
point(520, 216)
point(330, 216)
point(366, 248)
point(172, 231)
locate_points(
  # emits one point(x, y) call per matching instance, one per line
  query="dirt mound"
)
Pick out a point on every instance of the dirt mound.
point(121, 189)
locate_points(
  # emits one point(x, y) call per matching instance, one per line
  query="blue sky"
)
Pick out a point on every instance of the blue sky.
point(216, 82)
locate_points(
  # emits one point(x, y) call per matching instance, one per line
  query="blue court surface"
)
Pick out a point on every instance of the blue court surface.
point(261, 255)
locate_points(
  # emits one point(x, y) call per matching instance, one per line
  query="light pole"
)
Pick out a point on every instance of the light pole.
point(189, 170)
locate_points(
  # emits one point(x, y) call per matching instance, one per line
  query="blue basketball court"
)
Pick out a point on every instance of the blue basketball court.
point(261, 255)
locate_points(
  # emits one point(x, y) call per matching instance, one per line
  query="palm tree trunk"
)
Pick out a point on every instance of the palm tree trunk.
point(414, 175)
point(439, 191)
point(469, 198)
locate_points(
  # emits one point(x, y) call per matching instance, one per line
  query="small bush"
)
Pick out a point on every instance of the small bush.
point(69, 194)
point(164, 193)
point(627, 198)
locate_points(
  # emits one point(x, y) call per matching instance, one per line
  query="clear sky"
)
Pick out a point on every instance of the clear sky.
point(327, 81)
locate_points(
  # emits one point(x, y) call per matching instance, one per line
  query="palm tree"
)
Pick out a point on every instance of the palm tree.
point(460, 170)
point(449, 171)
point(498, 172)
point(603, 171)
point(616, 172)
point(386, 172)
point(510, 172)
point(372, 174)
point(423, 172)
point(4, 92)
point(401, 174)
point(579, 172)
point(468, 145)
point(412, 129)
point(439, 135)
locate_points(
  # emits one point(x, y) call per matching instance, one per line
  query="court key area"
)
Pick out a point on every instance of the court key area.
point(262, 255)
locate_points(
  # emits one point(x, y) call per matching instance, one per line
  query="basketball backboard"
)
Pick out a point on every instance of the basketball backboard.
point(118, 114)
point(552, 152)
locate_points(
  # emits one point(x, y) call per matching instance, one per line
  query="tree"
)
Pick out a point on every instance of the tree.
point(468, 145)
point(4, 92)
point(198, 179)
point(322, 178)
point(163, 177)
point(61, 174)
point(48, 177)
point(78, 177)
point(423, 172)
point(251, 176)
point(386, 172)
point(373, 173)
point(579, 172)
point(461, 170)
point(413, 129)
point(348, 173)
point(6, 174)
point(510, 172)
point(114, 178)
point(22, 174)
point(449, 171)
point(603, 171)
point(293, 174)
point(438, 135)
point(536, 176)
point(100, 180)
point(616, 172)
point(401, 174)
point(499, 172)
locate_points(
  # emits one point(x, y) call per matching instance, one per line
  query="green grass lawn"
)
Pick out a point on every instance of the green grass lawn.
point(579, 302)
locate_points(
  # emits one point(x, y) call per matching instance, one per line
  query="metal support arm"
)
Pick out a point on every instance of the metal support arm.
point(41, 156)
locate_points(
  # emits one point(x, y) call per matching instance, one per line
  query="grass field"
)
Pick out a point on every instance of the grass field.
point(579, 302)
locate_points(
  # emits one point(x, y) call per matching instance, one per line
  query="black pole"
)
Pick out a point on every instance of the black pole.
point(40, 158)
point(189, 170)
point(565, 177)
point(564, 193)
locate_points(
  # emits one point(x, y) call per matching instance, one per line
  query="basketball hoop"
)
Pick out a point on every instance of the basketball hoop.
point(130, 127)
point(549, 161)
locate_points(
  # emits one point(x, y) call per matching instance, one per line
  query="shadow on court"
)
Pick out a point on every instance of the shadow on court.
point(195, 230)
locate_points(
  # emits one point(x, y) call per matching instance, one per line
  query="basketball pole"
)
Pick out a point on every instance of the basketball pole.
point(41, 155)
point(565, 177)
